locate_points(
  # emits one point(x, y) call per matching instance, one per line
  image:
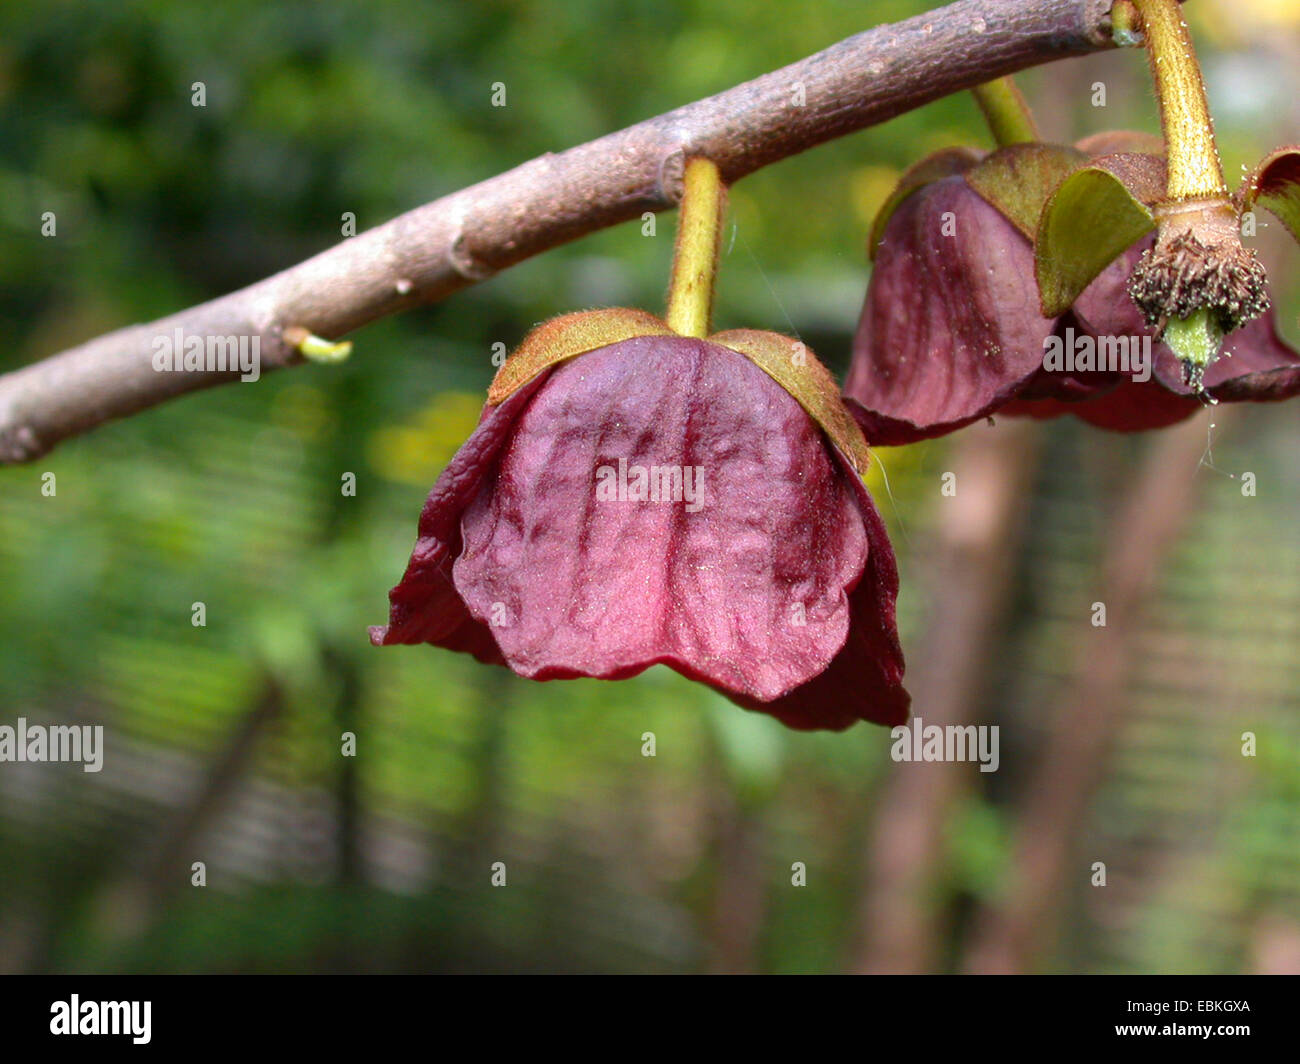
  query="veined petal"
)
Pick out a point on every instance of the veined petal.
point(951, 328)
point(865, 679)
point(663, 500)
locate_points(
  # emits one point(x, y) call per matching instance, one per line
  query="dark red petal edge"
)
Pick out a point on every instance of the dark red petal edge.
point(424, 607)
point(864, 681)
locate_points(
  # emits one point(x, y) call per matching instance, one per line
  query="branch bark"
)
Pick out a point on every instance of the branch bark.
point(427, 254)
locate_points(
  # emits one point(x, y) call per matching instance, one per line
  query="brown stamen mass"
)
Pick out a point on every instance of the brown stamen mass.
point(1177, 278)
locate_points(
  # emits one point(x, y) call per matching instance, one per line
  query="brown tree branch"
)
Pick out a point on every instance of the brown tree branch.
point(430, 252)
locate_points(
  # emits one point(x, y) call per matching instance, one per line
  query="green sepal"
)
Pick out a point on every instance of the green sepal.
point(1095, 214)
point(1017, 179)
point(567, 336)
point(796, 369)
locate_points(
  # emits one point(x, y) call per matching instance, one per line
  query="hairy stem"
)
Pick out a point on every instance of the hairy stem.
point(1194, 168)
point(1005, 110)
point(695, 258)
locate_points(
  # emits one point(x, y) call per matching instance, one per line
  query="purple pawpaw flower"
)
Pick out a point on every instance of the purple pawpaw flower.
point(1002, 284)
point(634, 497)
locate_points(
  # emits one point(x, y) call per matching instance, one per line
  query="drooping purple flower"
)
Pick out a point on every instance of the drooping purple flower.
point(953, 328)
point(662, 500)
point(1255, 365)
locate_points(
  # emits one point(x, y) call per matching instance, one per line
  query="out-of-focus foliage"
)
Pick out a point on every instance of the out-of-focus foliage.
point(232, 498)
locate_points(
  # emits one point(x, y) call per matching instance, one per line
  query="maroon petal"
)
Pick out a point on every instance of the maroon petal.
point(1103, 398)
point(951, 328)
point(1130, 407)
point(1067, 385)
point(424, 607)
point(586, 586)
point(1256, 365)
point(865, 679)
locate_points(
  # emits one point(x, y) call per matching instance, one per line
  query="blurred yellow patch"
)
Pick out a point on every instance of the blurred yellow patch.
point(894, 471)
point(415, 453)
point(869, 187)
point(1233, 23)
point(303, 411)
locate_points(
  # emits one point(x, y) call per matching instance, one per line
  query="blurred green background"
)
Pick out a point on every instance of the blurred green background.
point(223, 740)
